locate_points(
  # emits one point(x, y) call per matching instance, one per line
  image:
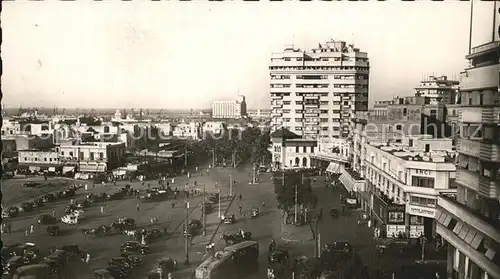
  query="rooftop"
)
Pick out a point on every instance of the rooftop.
point(409, 154)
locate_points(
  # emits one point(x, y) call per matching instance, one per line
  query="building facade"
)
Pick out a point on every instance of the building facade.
point(316, 93)
point(92, 157)
point(470, 223)
point(230, 109)
point(290, 151)
point(191, 130)
point(438, 89)
point(410, 175)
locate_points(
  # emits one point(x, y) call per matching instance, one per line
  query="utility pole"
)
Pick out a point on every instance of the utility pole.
point(186, 243)
point(230, 185)
point(203, 210)
point(423, 248)
point(213, 157)
point(219, 202)
point(296, 202)
point(234, 159)
point(185, 157)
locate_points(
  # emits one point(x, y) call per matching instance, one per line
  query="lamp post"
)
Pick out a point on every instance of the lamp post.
point(203, 210)
point(186, 242)
point(230, 185)
point(218, 191)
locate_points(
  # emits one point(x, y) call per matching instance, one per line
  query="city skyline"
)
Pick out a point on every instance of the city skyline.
point(88, 57)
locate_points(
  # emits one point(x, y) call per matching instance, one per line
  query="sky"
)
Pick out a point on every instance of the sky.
point(115, 54)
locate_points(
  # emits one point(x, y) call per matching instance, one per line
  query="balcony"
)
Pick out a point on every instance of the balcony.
point(468, 179)
point(469, 147)
point(483, 48)
point(335, 107)
point(489, 188)
point(474, 219)
point(479, 115)
point(483, 77)
point(489, 151)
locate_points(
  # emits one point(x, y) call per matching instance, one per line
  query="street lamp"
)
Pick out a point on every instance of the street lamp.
point(230, 185)
point(186, 243)
point(203, 210)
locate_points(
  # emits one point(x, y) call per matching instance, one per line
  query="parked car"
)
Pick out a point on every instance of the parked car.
point(53, 230)
point(45, 219)
point(102, 274)
point(10, 212)
point(26, 207)
point(134, 247)
point(278, 256)
point(228, 219)
point(48, 198)
point(31, 184)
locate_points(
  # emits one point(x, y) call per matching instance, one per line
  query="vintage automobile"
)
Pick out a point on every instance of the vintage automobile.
point(26, 207)
point(82, 204)
point(394, 245)
point(13, 263)
point(214, 198)
point(31, 184)
point(124, 224)
point(53, 230)
point(339, 247)
point(37, 202)
point(48, 198)
point(70, 208)
point(229, 219)
point(134, 247)
point(165, 267)
point(238, 237)
point(101, 230)
point(74, 252)
point(195, 224)
point(103, 274)
point(255, 212)
point(10, 212)
point(45, 219)
point(131, 261)
point(363, 219)
point(334, 212)
point(70, 219)
point(208, 207)
point(278, 256)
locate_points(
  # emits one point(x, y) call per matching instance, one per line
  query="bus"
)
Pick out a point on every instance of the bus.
point(232, 262)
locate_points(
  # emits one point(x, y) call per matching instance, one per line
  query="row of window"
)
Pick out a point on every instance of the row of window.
point(323, 85)
point(326, 68)
point(344, 58)
point(319, 94)
point(320, 77)
point(35, 159)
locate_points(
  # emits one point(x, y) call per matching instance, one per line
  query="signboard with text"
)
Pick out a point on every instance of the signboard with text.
point(395, 214)
point(416, 231)
point(421, 211)
point(394, 230)
point(422, 172)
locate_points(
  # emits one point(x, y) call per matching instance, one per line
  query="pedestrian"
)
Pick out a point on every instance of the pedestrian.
point(102, 209)
point(32, 229)
point(173, 205)
point(72, 201)
point(53, 213)
point(86, 187)
point(137, 207)
point(165, 229)
point(26, 232)
point(241, 197)
point(264, 204)
point(87, 258)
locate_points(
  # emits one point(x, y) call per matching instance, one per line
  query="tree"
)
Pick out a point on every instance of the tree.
point(285, 190)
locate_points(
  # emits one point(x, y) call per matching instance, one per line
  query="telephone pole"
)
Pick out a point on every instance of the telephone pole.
point(185, 157)
point(203, 210)
point(213, 157)
point(234, 159)
point(186, 242)
point(219, 202)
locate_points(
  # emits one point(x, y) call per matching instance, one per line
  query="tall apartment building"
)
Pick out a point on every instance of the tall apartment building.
point(316, 93)
point(470, 223)
point(230, 109)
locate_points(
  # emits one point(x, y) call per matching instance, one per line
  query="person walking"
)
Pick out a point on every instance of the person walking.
point(173, 205)
point(87, 258)
point(53, 214)
point(32, 229)
point(102, 209)
point(86, 187)
point(26, 232)
point(165, 229)
point(137, 207)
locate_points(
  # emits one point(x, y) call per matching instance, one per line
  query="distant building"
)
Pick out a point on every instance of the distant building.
point(259, 113)
point(230, 109)
point(213, 127)
point(316, 93)
point(191, 130)
point(438, 89)
point(39, 160)
point(290, 151)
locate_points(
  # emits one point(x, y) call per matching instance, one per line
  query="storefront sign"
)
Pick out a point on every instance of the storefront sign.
point(421, 211)
point(423, 172)
point(416, 231)
point(394, 231)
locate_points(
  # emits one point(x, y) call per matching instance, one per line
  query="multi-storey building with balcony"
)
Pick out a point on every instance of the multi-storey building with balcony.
point(230, 109)
point(470, 223)
point(438, 89)
point(404, 181)
point(316, 93)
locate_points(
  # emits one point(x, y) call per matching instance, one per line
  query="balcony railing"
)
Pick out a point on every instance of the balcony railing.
point(489, 151)
point(470, 147)
point(488, 187)
point(486, 225)
point(468, 178)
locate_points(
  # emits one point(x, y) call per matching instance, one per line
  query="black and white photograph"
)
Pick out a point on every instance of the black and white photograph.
point(250, 139)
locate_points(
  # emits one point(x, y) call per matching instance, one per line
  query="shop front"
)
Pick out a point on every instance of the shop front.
point(395, 227)
point(421, 220)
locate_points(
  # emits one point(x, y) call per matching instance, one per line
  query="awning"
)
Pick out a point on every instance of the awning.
point(346, 180)
point(333, 168)
point(52, 169)
point(34, 168)
point(67, 169)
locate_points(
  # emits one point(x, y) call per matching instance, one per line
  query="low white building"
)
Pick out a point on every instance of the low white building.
point(213, 127)
point(411, 174)
point(92, 157)
point(332, 153)
point(39, 160)
point(190, 130)
point(290, 151)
